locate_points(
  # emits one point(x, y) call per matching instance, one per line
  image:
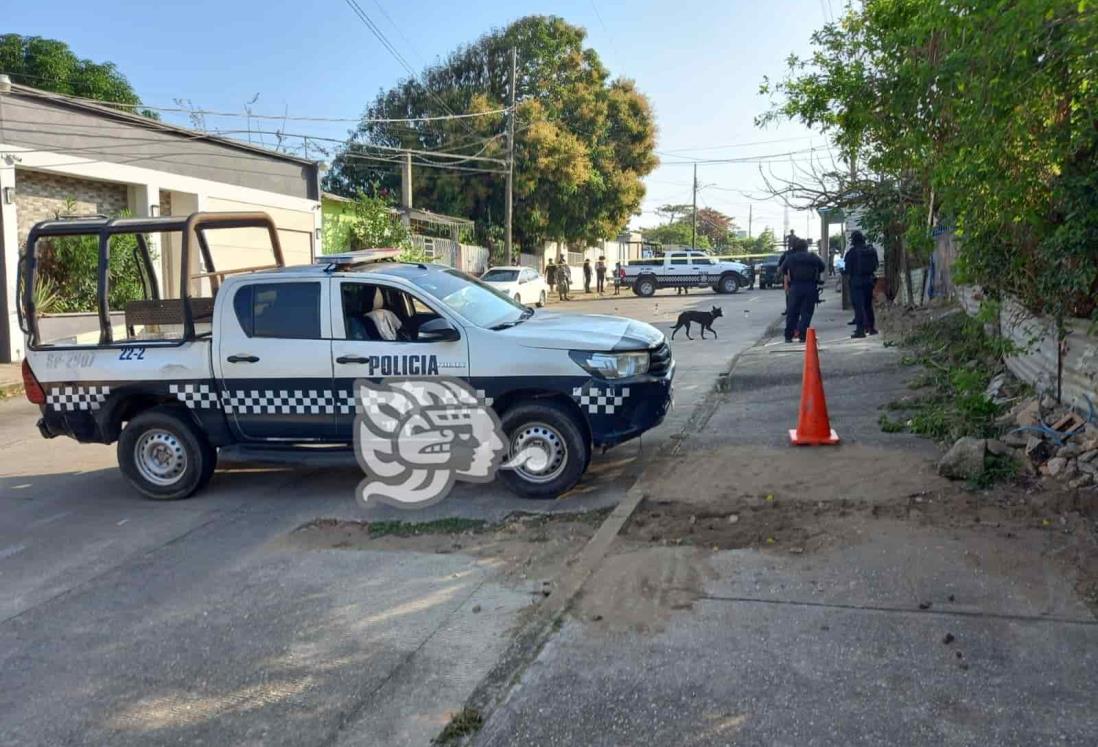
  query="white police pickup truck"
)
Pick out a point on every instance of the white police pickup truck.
point(689, 269)
point(267, 357)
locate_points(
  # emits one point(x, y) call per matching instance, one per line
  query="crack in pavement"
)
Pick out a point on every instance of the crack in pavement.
point(901, 610)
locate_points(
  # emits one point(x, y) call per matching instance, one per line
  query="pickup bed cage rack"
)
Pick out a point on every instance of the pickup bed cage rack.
point(193, 228)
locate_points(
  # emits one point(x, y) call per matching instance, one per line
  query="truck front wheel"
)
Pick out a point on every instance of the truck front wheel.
point(164, 456)
point(552, 448)
point(728, 284)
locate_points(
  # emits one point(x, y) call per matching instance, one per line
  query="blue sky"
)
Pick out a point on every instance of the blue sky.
point(699, 61)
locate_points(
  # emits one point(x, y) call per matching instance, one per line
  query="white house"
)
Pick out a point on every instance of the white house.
point(59, 153)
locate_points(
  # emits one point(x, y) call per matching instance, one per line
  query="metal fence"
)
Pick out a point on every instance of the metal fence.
point(464, 257)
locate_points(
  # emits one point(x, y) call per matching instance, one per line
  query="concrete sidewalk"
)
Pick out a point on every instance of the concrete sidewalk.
point(11, 380)
point(763, 594)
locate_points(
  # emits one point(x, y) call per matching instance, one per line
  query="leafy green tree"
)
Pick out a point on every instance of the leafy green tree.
point(583, 141)
point(764, 243)
point(715, 226)
point(973, 113)
point(674, 211)
point(371, 224)
point(69, 270)
point(50, 65)
point(678, 232)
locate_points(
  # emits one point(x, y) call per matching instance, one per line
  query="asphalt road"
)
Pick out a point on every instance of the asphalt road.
point(127, 621)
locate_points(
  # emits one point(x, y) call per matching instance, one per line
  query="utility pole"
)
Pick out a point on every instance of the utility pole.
point(406, 188)
point(511, 158)
point(750, 207)
point(694, 224)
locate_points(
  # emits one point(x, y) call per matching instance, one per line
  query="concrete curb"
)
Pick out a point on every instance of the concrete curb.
point(527, 645)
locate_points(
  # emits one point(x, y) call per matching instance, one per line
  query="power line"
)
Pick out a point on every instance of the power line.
point(747, 159)
point(448, 167)
point(380, 36)
point(397, 28)
point(35, 127)
point(733, 145)
point(281, 117)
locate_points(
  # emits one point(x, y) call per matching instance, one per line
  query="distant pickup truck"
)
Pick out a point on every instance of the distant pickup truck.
point(686, 270)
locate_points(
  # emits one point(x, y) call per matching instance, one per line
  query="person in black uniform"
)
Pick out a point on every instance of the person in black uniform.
point(785, 279)
point(861, 266)
point(804, 270)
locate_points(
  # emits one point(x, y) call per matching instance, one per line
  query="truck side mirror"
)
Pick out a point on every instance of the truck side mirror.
point(437, 330)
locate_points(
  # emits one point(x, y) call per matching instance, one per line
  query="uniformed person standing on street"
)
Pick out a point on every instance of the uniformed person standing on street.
point(564, 278)
point(861, 266)
point(785, 278)
point(551, 274)
point(804, 270)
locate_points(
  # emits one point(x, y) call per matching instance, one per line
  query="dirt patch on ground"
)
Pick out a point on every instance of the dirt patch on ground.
point(639, 588)
point(777, 513)
point(731, 474)
point(523, 548)
point(797, 524)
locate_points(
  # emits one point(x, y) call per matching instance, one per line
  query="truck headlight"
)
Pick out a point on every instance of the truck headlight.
point(612, 365)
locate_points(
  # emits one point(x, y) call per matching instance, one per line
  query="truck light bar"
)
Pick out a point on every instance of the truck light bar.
point(363, 256)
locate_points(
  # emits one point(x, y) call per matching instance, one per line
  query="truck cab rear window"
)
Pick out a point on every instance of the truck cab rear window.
point(285, 310)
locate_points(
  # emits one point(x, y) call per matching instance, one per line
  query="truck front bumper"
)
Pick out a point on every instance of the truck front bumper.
point(648, 401)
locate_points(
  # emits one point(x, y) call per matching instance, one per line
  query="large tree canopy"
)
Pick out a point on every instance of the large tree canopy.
point(51, 66)
point(714, 230)
point(583, 141)
point(974, 113)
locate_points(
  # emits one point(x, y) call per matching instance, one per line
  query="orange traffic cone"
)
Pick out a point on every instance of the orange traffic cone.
point(813, 425)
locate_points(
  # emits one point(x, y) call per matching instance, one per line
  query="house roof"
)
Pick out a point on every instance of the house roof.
point(110, 112)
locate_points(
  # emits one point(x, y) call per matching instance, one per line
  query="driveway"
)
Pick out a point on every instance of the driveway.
point(127, 621)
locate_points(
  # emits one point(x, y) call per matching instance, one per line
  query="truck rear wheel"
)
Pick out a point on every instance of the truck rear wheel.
point(558, 451)
point(164, 456)
point(645, 287)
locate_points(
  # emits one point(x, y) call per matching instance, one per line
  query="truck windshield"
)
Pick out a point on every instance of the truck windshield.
point(481, 304)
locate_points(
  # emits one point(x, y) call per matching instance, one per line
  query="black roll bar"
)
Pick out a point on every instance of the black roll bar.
point(192, 227)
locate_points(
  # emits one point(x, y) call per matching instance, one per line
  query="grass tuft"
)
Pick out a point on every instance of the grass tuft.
point(411, 529)
point(463, 723)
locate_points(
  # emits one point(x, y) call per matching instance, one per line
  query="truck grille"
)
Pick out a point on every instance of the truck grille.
point(659, 360)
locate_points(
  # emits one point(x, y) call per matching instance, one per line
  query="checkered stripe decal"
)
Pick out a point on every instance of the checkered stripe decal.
point(72, 398)
point(196, 396)
point(279, 402)
point(596, 400)
point(240, 401)
point(267, 401)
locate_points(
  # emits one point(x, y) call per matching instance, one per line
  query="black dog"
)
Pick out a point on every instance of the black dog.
point(703, 318)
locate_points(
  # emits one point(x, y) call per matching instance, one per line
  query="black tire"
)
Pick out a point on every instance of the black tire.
point(550, 424)
point(191, 457)
point(728, 284)
point(645, 287)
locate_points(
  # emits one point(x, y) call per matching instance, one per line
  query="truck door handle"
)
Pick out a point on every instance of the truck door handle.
point(243, 359)
point(352, 359)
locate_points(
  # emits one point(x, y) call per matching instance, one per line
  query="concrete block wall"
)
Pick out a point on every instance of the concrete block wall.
point(40, 196)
